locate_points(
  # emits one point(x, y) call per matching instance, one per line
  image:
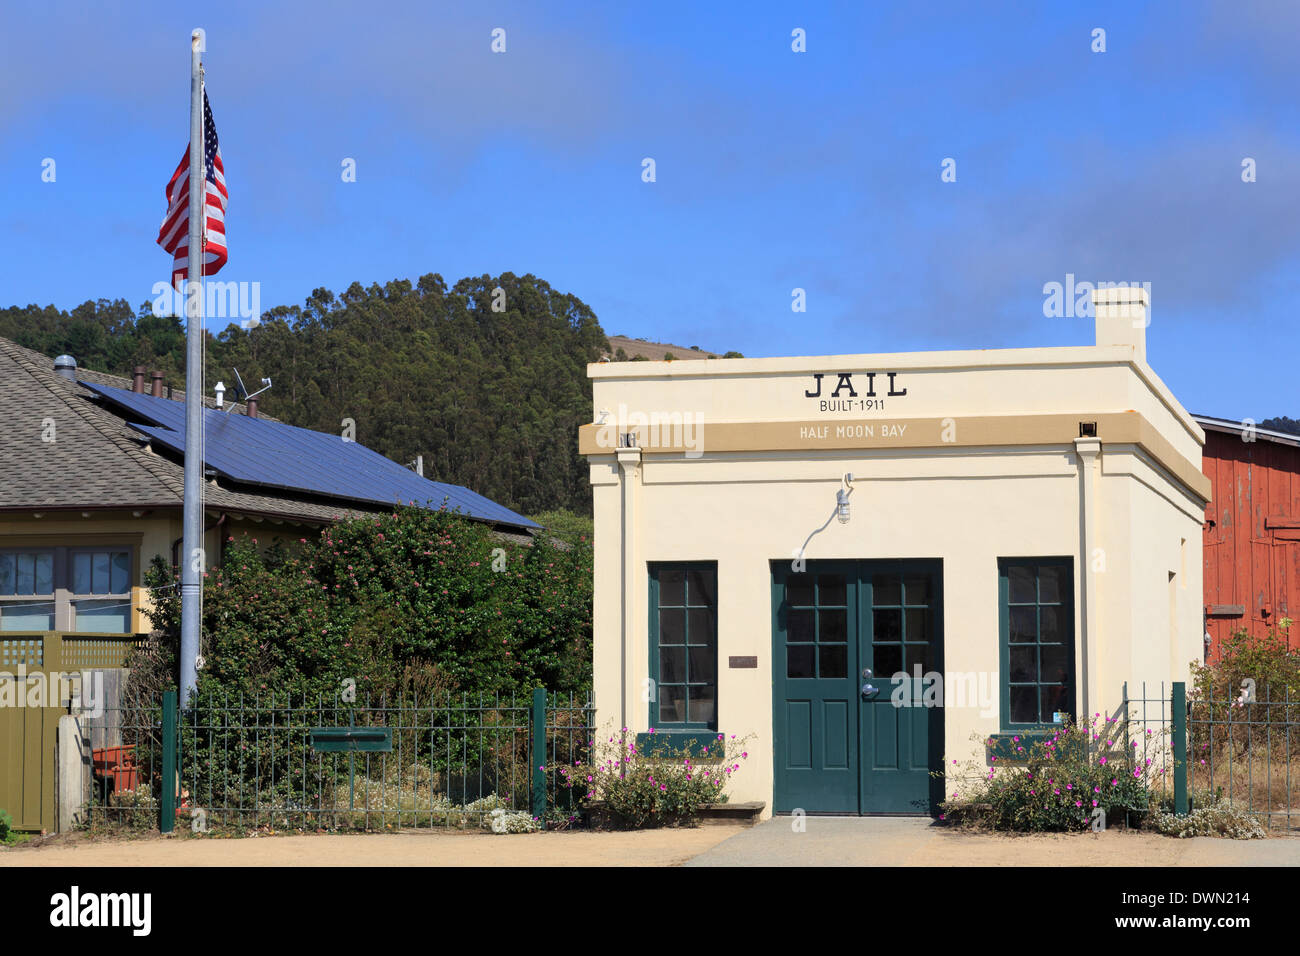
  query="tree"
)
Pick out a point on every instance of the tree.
point(1290, 426)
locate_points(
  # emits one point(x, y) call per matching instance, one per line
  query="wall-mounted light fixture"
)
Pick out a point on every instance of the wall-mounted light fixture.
point(841, 511)
point(842, 499)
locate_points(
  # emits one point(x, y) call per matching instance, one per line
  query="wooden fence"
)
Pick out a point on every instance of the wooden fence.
point(32, 699)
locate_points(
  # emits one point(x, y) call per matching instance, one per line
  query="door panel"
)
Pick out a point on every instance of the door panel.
point(798, 736)
point(835, 720)
point(816, 712)
point(838, 750)
point(900, 634)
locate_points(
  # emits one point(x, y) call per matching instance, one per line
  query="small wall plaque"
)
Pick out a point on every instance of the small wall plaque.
point(742, 662)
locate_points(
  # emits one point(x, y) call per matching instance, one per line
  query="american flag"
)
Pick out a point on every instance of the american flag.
point(174, 234)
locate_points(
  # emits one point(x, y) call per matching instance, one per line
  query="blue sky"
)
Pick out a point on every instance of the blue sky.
point(775, 169)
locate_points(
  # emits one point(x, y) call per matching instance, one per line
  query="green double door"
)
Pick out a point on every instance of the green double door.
point(848, 736)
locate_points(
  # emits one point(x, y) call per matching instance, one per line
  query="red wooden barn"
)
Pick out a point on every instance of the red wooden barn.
point(1252, 529)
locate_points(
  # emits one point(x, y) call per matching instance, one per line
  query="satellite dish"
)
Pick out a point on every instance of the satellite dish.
point(241, 391)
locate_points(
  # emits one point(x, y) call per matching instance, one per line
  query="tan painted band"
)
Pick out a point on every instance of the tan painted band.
point(833, 435)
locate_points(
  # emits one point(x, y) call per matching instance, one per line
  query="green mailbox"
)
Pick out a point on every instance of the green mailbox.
point(351, 740)
point(368, 739)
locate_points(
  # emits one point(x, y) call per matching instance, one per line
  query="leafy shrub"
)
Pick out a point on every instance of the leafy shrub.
point(377, 598)
point(6, 826)
point(658, 784)
point(1244, 706)
point(1057, 781)
point(418, 610)
point(1267, 660)
point(1249, 680)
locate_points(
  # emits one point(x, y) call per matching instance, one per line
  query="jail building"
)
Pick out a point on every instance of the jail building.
point(779, 540)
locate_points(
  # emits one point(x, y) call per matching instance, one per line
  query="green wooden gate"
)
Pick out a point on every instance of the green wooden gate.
point(848, 737)
point(26, 736)
point(27, 733)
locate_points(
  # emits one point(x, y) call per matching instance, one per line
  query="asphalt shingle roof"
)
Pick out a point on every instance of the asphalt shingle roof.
point(96, 460)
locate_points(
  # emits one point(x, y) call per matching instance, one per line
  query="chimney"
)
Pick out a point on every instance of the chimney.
point(1122, 316)
point(155, 388)
point(252, 408)
point(137, 379)
point(66, 366)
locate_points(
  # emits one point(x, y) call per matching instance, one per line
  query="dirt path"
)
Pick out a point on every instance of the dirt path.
point(415, 848)
point(826, 841)
point(886, 841)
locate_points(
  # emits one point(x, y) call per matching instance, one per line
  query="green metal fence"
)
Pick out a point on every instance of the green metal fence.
point(125, 746)
point(1154, 737)
point(290, 761)
point(1245, 750)
point(1241, 750)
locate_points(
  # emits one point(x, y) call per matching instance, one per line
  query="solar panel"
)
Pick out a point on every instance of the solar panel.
point(274, 455)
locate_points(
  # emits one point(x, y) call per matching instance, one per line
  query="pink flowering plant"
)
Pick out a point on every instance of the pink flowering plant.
point(658, 782)
point(1056, 780)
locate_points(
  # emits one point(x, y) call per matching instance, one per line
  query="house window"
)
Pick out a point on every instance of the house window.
point(67, 589)
point(684, 646)
point(1036, 617)
point(27, 591)
point(101, 590)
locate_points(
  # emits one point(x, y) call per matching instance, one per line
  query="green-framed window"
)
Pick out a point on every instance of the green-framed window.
point(1036, 625)
point(684, 646)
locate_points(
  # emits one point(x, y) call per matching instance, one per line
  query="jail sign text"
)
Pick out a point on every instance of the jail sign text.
point(849, 395)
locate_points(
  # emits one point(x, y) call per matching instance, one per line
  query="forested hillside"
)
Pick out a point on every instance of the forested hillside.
point(492, 400)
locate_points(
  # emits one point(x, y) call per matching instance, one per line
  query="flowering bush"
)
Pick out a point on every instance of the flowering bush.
point(501, 820)
point(660, 783)
point(1057, 782)
point(1219, 820)
point(133, 809)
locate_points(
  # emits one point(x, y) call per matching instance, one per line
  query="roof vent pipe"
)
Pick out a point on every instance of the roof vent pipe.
point(221, 394)
point(137, 379)
point(66, 366)
point(155, 387)
point(252, 408)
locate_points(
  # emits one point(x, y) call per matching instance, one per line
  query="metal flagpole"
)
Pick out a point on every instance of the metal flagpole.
point(193, 559)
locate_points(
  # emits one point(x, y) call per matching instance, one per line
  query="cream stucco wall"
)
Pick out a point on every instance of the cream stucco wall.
point(1012, 481)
